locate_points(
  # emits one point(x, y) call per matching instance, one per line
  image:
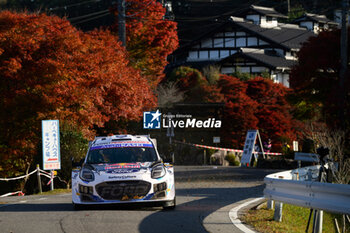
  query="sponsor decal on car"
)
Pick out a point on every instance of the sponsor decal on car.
point(119, 171)
point(121, 177)
point(122, 145)
point(122, 165)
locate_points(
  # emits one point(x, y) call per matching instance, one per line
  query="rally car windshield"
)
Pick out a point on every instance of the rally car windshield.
point(121, 155)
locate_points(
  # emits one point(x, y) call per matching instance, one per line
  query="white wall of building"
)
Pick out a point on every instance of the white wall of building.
point(254, 18)
point(279, 77)
point(266, 23)
point(307, 24)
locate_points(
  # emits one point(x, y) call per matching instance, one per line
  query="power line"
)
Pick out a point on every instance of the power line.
point(88, 15)
point(145, 7)
point(71, 5)
point(89, 19)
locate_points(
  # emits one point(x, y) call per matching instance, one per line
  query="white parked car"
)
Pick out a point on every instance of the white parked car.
point(123, 169)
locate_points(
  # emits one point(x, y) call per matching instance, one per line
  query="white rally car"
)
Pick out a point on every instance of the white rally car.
point(123, 169)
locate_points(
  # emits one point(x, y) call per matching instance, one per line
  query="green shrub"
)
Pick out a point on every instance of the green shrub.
point(231, 158)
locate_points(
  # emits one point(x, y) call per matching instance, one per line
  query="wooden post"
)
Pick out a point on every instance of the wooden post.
point(39, 179)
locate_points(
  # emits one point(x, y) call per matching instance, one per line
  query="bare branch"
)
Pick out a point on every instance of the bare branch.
point(169, 94)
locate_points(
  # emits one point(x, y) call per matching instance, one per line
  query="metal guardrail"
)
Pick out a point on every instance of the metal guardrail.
point(306, 157)
point(311, 194)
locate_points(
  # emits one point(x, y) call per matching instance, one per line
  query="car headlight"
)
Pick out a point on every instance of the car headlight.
point(158, 172)
point(87, 175)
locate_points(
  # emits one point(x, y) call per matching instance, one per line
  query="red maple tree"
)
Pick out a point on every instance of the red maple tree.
point(257, 104)
point(50, 70)
point(238, 116)
point(274, 111)
point(196, 87)
point(149, 37)
point(316, 78)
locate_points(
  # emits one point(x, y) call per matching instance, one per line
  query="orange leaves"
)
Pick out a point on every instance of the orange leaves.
point(49, 70)
point(150, 38)
point(256, 104)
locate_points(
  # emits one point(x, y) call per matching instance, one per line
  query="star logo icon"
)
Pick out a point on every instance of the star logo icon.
point(151, 120)
point(156, 115)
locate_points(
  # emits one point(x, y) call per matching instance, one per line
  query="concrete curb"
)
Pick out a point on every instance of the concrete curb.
point(226, 218)
point(234, 214)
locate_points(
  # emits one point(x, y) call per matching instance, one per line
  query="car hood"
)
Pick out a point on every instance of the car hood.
point(120, 168)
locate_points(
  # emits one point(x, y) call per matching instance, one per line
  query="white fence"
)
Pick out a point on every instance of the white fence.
point(287, 188)
point(39, 173)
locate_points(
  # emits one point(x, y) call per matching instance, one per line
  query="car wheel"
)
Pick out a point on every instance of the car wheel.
point(170, 205)
point(77, 206)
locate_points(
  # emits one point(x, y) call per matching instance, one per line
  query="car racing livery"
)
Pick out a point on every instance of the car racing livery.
point(123, 169)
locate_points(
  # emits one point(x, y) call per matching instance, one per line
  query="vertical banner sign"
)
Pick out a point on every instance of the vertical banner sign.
point(295, 146)
point(248, 147)
point(51, 145)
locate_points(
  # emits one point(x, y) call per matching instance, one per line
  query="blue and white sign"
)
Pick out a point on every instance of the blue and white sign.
point(151, 120)
point(249, 147)
point(51, 144)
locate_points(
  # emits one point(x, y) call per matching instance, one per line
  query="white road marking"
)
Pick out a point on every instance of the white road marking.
point(233, 214)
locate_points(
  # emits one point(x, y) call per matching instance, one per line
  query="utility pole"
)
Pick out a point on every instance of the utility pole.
point(343, 59)
point(288, 6)
point(121, 22)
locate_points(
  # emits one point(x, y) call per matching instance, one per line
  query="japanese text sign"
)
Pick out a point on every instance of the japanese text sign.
point(249, 147)
point(51, 144)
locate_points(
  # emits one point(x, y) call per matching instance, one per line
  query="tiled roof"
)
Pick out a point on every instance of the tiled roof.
point(258, 55)
point(268, 11)
point(288, 35)
point(315, 18)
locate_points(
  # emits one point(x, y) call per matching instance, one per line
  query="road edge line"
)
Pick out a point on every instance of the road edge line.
point(233, 214)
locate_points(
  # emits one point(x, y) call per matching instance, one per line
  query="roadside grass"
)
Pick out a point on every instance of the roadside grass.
point(55, 191)
point(294, 219)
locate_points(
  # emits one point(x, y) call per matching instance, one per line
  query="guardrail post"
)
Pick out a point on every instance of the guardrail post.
point(295, 176)
point(278, 211)
point(39, 179)
point(318, 221)
point(309, 175)
point(270, 204)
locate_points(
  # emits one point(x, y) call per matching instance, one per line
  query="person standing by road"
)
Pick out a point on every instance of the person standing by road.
point(267, 146)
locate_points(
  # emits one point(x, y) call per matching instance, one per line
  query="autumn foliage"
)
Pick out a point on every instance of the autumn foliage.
point(256, 104)
point(50, 70)
point(149, 37)
point(316, 78)
point(195, 86)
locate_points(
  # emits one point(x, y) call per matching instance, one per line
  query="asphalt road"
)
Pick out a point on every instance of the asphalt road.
point(201, 191)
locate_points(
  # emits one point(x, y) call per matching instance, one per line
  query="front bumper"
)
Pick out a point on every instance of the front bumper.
point(123, 191)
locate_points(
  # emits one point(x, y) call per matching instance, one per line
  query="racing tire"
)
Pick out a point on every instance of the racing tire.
point(170, 205)
point(78, 206)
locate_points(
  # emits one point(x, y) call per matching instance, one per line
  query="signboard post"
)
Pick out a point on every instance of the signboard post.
point(51, 146)
point(170, 130)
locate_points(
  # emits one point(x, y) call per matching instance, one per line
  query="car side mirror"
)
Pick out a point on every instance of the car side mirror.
point(167, 160)
point(77, 164)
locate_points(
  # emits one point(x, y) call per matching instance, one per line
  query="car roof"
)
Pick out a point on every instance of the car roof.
point(121, 138)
